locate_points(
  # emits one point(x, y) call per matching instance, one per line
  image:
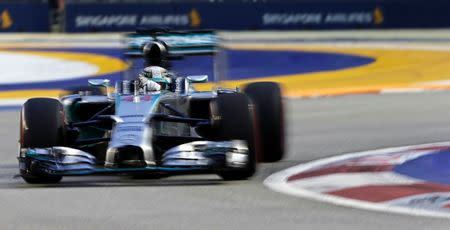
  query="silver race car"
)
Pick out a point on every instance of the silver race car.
point(134, 130)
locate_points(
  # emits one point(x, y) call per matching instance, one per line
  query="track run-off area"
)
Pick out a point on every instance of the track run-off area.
point(390, 89)
point(350, 63)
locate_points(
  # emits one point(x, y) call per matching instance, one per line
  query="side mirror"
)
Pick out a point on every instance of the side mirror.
point(99, 82)
point(197, 78)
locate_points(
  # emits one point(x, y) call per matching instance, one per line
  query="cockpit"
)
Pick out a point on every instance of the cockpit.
point(132, 87)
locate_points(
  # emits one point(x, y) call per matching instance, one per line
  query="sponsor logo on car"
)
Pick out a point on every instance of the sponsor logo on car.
point(129, 129)
point(128, 138)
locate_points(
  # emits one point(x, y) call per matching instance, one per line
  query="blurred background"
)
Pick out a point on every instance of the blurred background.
point(315, 47)
point(125, 15)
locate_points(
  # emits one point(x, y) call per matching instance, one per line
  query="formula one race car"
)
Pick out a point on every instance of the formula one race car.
point(135, 131)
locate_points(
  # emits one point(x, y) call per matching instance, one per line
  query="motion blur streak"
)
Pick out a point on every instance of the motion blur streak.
point(105, 64)
point(393, 69)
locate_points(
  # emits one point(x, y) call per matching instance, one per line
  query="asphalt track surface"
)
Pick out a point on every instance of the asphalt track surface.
point(317, 128)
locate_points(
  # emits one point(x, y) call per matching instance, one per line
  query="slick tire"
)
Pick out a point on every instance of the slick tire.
point(267, 99)
point(236, 121)
point(41, 126)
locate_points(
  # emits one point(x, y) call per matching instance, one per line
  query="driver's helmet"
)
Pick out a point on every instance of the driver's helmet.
point(156, 74)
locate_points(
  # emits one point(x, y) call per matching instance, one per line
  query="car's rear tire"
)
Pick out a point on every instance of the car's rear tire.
point(41, 126)
point(236, 121)
point(266, 96)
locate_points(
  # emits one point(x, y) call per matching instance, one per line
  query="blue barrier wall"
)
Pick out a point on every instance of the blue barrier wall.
point(24, 16)
point(269, 14)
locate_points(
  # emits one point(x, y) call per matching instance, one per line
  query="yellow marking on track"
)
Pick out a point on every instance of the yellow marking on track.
point(19, 94)
point(392, 69)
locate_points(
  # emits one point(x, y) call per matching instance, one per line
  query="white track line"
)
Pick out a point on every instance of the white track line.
point(278, 182)
point(338, 181)
point(11, 102)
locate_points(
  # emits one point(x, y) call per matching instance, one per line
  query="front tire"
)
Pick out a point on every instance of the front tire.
point(236, 121)
point(41, 126)
point(266, 96)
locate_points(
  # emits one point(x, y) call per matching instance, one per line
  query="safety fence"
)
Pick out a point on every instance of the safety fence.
point(24, 16)
point(126, 15)
point(122, 15)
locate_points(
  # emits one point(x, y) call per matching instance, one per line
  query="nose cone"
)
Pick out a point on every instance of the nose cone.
point(126, 156)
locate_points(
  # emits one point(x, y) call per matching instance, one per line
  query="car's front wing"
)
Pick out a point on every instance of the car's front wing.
point(191, 158)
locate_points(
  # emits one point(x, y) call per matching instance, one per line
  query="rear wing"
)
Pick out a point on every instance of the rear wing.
point(177, 43)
